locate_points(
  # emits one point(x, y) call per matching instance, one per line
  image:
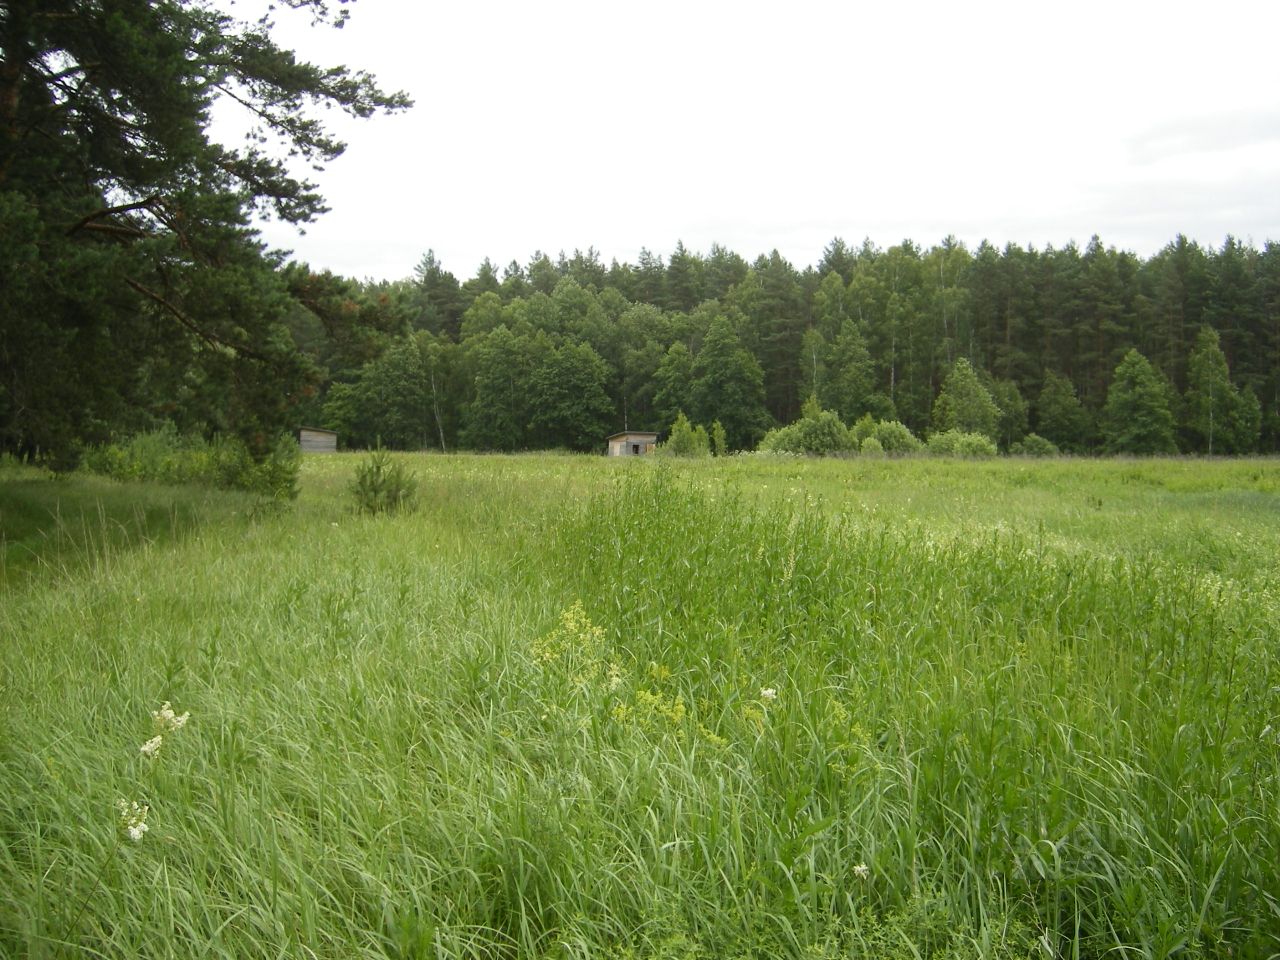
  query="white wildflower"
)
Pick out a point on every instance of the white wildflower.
point(166, 720)
point(768, 694)
point(151, 747)
point(133, 818)
point(862, 871)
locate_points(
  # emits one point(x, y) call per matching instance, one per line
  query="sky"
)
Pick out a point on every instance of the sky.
point(620, 125)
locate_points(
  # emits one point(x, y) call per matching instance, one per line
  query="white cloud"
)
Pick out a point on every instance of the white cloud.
point(562, 125)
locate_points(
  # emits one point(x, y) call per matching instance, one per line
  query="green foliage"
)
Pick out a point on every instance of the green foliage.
point(1218, 418)
point(1034, 445)
point(957, 443)
point(569, 405)
point(1138, 417)
point(728, 385)
point(163, 456)
point(719, 442)
point(1012, 424)
point(965, 405)
point(1060, 417)
point(673, 382)
point(383, 484)
point(134, 290)
point(894, 437)
point(817, 433)
point(872, 447)
point(685, 440)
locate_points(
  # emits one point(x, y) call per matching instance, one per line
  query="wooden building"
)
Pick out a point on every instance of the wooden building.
point(631, 443)
point(315, 440)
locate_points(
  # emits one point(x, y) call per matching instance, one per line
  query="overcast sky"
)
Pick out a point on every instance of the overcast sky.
point(557, 125)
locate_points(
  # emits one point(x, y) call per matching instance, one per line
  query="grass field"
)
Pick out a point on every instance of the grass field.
point(573, 707)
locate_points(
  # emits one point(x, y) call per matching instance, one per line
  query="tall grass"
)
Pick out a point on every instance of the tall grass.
point(724, 710)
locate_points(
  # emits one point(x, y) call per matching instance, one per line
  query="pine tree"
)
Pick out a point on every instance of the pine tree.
point(136, 278)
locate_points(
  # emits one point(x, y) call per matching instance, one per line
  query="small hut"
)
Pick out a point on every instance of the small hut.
point(631, 443)
point(315, 440)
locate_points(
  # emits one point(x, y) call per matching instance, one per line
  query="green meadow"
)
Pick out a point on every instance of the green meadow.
point(573, 707)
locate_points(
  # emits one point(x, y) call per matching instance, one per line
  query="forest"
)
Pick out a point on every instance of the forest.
point(558, 353)
point(138, 295)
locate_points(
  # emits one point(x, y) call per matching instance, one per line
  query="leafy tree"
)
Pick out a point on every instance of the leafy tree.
point(485, 315)
point(673, 381)
point(965, 404)
point(131, 276)
point(728, 385)
point(849, 385)
point(543, 275)
point(813, 361)
point(1060, 417)
point(1138, 417)
point(570, 407)
point(1216, 417)
point(501, 366)
point(1012, 424)
point(831, 305)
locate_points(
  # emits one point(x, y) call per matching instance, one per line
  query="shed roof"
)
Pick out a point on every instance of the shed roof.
point(332, 433)
point(633, 433)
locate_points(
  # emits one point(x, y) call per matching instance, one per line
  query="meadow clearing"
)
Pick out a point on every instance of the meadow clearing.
point(574, 707)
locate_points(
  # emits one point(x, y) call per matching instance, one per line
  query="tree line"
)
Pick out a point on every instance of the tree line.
point(135, 293)
point(561, 352)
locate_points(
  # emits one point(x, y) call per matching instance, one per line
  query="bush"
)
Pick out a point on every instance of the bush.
point(1034, 445)
point(894, 437)
point(872, 447)
point(817, 433)
point(956, 443)
point(383, 485)
point(685, 440)
point(164, 456)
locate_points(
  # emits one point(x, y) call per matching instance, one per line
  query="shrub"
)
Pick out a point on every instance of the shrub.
point(719, 440)
point(894, 437)
point(1034, 445)
point(817, 433)
point(956, 443)
point(863, 428)
point(165, 456)
point(872, 447)
point(383, 485)
point(685, 440)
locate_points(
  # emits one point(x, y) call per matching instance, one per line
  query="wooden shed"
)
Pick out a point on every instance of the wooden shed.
point(315, 440)
point(631, 443)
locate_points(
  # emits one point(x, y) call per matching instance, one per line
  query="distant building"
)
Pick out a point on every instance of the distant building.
point(315, 440)
point(631, 444)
